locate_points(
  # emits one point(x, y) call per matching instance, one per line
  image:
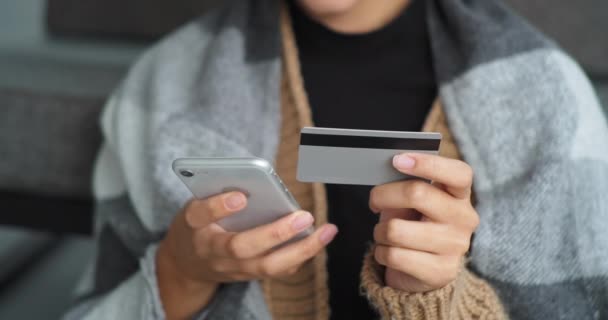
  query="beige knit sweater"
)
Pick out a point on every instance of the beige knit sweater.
point(305, 294)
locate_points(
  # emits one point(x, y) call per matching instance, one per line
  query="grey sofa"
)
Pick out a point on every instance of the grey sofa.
point(51, 92)
point(59, 61)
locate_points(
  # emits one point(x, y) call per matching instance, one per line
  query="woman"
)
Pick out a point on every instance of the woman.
point(247, 76)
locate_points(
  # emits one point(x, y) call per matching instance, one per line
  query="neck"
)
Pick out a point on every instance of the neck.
point(364, 17)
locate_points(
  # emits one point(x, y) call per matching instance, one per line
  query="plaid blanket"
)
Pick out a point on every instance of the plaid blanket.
point(522, 112)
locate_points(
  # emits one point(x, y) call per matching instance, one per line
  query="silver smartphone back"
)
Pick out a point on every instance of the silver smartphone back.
point(267, 197)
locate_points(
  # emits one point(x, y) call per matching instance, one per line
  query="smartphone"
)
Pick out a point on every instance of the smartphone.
point(267, 197)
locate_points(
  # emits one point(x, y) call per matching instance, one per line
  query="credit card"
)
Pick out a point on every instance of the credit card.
point(358, 157)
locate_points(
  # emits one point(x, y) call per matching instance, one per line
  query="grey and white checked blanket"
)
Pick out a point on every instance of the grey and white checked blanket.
point(522, 112)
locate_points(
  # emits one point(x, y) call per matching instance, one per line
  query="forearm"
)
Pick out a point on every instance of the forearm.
point(181, 298)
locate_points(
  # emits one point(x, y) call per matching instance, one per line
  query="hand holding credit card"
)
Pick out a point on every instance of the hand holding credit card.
point(358, 157)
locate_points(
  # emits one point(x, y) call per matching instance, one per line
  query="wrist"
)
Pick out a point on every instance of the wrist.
point(182, 297)
point(167, 267)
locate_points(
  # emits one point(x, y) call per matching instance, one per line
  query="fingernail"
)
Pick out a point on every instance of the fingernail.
point(302, 221)
point(403, 161)
point(328, 234)
point(235, 201)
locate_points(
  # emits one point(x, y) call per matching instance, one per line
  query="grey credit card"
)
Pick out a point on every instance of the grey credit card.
point(360, 157)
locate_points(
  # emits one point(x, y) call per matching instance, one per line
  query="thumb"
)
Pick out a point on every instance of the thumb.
point(201, 213)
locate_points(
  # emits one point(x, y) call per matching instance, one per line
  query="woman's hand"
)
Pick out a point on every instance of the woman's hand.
point(197, 254)
point(425, 229)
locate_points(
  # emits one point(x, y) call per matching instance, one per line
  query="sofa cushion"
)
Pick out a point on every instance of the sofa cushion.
point(49, 142)
point(19, 248)
point(46, 289)
point(31, 60)
point(51, 93)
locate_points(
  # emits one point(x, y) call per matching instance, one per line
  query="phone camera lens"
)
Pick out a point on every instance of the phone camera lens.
point(187, 173)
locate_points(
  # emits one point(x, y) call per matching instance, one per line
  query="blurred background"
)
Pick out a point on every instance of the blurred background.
point(59, 60)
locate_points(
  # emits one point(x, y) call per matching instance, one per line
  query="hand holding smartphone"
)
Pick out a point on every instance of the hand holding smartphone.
point(204, 247)
point(267, 197)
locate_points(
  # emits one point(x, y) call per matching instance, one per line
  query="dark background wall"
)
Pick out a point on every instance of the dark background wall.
point(580, 26)
point(135, 19)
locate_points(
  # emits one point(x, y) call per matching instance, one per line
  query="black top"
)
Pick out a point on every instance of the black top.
point(382, 80)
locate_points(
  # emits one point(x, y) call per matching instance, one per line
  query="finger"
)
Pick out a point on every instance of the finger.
point(224, 266)
point(422, 236)
point(432, 269)
point(456, 175)
point(254, 242)
point(215, 241)
point(201, 213)
point(284, 259)
point(435, 204)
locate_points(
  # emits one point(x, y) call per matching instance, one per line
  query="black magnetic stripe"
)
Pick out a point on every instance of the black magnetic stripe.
point(330, 140)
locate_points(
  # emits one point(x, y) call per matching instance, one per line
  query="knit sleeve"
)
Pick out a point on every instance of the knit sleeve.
point(468, 297)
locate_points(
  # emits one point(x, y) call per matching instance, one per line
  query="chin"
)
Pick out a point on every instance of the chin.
point(327, 7)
